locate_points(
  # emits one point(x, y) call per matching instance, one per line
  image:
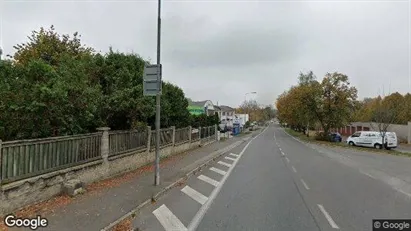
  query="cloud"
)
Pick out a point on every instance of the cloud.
point(222, 50)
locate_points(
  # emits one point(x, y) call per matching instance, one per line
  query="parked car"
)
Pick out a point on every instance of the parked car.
point(335, 137)
point(373, 139)
point(332, 136)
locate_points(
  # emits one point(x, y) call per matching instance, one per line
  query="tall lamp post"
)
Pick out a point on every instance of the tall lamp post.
point(245, 100)
point(158, 97)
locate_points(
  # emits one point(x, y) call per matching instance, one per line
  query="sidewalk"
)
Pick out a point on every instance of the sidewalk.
point(108, 200)
point(404, 148)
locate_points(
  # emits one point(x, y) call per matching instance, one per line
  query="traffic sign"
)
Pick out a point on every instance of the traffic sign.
point(152, 80)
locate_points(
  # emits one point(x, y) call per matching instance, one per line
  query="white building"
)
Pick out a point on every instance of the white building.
point(241, 119)
point(227, 115)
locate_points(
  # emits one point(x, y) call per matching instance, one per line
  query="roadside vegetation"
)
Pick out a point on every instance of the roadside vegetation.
point(55, 85)
point(312, 139)
point(314, 105)
point(333, 103)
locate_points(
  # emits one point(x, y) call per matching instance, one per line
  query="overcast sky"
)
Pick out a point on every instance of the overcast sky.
point(220, 50)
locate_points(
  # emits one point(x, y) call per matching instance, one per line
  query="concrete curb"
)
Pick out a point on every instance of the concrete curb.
point(216, 155)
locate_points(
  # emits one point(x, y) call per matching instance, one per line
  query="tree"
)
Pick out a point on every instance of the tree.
point(363, 110)
point(57, 86)
point(47, 89)
point(47, 45)
point(269, 113)
point(407, 107)
point(174, 107)
point(336, 102)
point(330, 103)
point(255, 111)
point(288, 105)
point(384, 116)
point(309, 93)
point(396, 103)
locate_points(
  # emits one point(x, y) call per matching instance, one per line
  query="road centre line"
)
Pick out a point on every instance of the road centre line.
point(288, 160)
point(328, 217)
point(305, 184)
point(295, 170)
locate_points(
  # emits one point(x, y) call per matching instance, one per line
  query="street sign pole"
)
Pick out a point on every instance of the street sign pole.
point(158, 97)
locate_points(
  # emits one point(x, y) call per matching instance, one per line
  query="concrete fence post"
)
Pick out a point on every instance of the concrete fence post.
point(148, 138)
point(199, 133)
point(174, 135)
point(105, 144)
point(408, 138)
point(216, 132)
point(190, 132)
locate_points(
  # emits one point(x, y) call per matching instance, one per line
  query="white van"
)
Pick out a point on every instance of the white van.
point(373, 139)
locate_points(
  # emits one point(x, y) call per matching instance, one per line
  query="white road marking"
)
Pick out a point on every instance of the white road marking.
point(288, 160)
point(221, 172)
point(295, 170)
point(229, 158)
point(168, 220)
point(200, 198)
point(280, 150)
point(328, 217)
point(282, 153)
point(401, 191)
point(200, 214)
point(305, 184)
point(208, 180)
point(235, 155)
point(224, 163)
point(367, 174)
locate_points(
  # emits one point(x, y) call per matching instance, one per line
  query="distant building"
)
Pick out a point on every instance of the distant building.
point(227, 115)
point(241, 119)
point(217, 111)
point(201, 107)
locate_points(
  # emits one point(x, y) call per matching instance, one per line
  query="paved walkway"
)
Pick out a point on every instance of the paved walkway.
point(98, 208)
point(404, 148)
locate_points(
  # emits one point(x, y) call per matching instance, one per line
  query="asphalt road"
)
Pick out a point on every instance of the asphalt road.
point(278, 183)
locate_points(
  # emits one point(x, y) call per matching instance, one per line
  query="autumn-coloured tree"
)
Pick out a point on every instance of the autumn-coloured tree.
point(336, 102)
point(399, 104)
point(255, 111)
point(330, 103)
point(290, 109)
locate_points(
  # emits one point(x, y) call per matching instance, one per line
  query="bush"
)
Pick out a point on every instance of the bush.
point(56, 86)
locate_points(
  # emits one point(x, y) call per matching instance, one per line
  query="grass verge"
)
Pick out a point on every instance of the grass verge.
point(311, 139)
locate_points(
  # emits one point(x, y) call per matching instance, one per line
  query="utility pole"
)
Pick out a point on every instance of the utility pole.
point(158, 98)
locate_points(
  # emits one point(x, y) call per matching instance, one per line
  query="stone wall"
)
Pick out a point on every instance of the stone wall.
point(21, 193)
